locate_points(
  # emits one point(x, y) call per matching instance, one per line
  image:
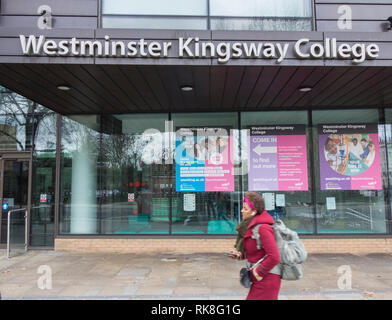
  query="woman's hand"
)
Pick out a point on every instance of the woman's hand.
point(235, 255)
point(256, 275)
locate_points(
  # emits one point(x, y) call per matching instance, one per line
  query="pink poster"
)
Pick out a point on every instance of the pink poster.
point(219, 170)
point(278, 158)
point(292, 163)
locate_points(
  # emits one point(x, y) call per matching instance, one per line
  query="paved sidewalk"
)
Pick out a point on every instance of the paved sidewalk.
point(183, 276)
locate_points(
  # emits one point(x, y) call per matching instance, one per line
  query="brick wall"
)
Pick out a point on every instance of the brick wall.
point(355, 246)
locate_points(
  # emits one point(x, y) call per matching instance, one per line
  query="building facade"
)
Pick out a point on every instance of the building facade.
point(132, 127)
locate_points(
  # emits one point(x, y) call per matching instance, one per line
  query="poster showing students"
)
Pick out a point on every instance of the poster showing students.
point(349, 157)
point(204, 159)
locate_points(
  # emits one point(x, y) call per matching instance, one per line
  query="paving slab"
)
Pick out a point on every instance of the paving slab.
point(198, 276)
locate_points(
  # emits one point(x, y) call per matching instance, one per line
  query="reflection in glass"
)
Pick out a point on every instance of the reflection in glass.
point(155, 7)
point(127, 162)
point(78, 203)
point(282, 15)
point(125, 22)
point(13, 103)
point(19, 118)
point(16, 121)
point(135, 182)
point(15, 132)
point(45, 131)
point(113, 177)
point(261, 8)
point(264, 24)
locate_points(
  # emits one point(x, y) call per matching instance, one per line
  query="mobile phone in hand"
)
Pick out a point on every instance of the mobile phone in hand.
point(230, 254)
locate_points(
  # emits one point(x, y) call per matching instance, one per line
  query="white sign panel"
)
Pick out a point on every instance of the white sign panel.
point(189, 202)
point(331, 203)
point(280, 200)
point(269, 199)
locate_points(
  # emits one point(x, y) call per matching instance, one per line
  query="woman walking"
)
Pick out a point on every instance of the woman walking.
point(265, 280)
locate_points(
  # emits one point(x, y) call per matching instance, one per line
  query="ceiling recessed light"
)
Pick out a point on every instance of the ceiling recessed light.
point(63, 87)
point(186, 88)
point(305, 89)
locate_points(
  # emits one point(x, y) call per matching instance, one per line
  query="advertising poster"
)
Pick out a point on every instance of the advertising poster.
point(204, 159)
point(349, 157)
point(277, 158)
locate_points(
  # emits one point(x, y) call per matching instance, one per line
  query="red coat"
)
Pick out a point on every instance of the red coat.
point(268, 287)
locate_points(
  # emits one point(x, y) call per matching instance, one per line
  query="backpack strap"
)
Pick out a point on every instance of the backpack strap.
point(256, 235)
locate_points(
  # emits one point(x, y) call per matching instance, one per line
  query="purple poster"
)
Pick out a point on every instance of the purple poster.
point(349, 157)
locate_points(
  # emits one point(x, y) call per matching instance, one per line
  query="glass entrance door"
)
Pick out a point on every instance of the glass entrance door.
point(14, 194)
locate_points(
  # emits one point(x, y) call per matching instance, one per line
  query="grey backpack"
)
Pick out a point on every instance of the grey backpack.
point(291, 249)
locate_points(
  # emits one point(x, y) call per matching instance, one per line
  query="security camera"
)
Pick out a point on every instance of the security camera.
point(390, 23)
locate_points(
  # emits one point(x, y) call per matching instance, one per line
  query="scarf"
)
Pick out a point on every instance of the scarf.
point(241, 229)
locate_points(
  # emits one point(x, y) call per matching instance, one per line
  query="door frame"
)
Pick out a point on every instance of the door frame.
point(22, 156)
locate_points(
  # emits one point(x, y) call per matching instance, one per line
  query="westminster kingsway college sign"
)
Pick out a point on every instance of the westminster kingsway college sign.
point(194, 48)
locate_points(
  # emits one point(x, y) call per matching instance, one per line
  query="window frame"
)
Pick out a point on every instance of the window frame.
point(209, 17)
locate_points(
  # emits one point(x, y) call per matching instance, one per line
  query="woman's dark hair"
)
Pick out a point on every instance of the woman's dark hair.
point(256, 200)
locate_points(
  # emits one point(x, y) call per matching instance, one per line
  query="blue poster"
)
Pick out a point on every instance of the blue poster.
point(189, 170)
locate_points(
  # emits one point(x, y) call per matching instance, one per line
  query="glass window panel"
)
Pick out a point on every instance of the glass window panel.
point(154, 23)
point(46, 131)
point(79, 178)
point(345, 116)
point(18, 116)
point(15, 178)
point(155, 7)
point(261, 8)
point(279, 15)
point(44, 174)
point(43, 198)
point(347, 210)
point(293, 207)
point(16, 121)
point(135, 180)
point(388, 138)
point(265, 24)
point(16, 132)
point(201, 210)
point(13, 103)
point(388, 143)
